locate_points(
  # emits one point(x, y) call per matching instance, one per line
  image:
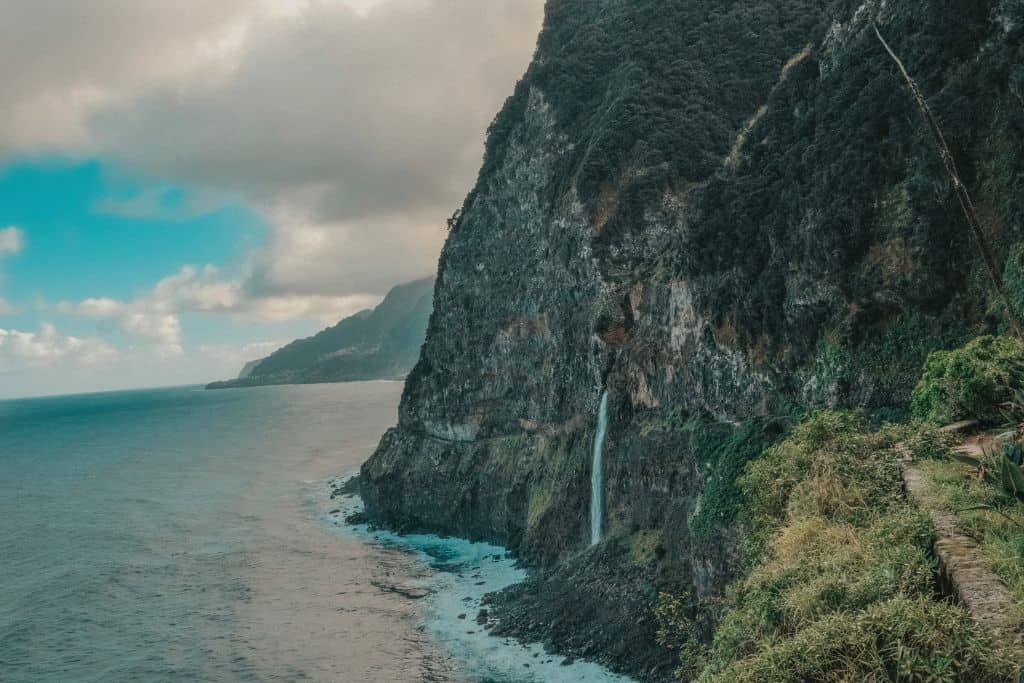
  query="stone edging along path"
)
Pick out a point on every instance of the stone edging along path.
point(963, 571)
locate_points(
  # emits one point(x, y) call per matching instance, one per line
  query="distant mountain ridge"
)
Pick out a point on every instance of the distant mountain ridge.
point(381, 343)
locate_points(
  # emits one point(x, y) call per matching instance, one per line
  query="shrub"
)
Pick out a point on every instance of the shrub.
point(972, 382)
point(723, 451)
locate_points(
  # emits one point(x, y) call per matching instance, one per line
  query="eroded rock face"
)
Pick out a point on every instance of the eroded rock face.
point(608, 245)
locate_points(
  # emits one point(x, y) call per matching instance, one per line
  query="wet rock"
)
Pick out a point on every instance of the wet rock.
point(410, 592)
point(357, 519)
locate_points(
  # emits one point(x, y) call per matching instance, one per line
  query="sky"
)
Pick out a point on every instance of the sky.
point(186, 186)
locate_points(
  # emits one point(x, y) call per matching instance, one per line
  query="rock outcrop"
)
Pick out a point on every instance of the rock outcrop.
point(721, 213)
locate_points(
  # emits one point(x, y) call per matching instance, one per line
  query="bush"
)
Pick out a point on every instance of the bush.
point(723, 451)
point(972, 382)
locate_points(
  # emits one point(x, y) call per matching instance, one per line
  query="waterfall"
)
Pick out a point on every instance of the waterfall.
point(597, 473)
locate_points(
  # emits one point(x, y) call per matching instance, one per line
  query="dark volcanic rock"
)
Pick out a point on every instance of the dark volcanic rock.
point(719, 212)
point(597, 606)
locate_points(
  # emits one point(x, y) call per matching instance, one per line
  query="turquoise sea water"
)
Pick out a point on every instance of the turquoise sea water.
point(185, 535)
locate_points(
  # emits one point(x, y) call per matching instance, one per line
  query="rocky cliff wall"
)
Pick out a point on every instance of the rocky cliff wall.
point(723, 213)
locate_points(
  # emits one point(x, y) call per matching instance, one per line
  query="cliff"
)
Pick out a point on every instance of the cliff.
point(382, 343)
point(724, 214)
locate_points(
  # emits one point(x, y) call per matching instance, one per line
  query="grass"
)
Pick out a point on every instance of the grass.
point(840, 580)
point(951, 487)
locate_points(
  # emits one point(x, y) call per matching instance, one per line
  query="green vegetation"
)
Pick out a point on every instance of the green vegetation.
point(646, 547)
point(554, 462)
point(1000, 537)
point(382, 343)
point(1000, 467)
point(840, 579)
point(897, 639)
point(1013, 277)
point(722, 453)
point(987, 513)
point(839, 217)
point(646, 93)
point(972, 382)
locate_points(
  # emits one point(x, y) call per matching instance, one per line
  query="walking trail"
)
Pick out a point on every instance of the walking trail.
point(963, 571)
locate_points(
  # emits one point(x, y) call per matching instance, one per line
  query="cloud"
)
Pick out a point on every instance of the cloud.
point(354, 127)
point(362, 121)
point(306, 257)
point(48, 347)
point(12, 241)
point(235, 357)
point(164, 329)
point(5, 307)
point(206, 290)
point(347, 115)
point(138, 319)
point(61, 62)
point(46, 361)
point(154, 318)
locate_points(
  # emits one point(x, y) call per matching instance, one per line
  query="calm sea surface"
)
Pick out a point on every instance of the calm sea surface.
point(187, 535)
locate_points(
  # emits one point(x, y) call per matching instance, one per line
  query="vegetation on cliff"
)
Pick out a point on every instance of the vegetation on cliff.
point(839, 579)
point(839, 216)
point(840, 584)
point(382, 343)
point(975, 381)
point(649, 92)
point(987, 514)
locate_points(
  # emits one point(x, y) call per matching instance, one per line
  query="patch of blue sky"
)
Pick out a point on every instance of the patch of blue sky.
point(93, 230)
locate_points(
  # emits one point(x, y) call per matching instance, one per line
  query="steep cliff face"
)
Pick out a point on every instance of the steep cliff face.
point(720, 212)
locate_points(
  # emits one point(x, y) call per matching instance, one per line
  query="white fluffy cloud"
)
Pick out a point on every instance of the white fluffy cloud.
point(161, 329)
point(12, 240)
point(48, 362)
point(155, 317)
point(48, 346)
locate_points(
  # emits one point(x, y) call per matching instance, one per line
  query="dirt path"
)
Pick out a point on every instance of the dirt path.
point(962, 568)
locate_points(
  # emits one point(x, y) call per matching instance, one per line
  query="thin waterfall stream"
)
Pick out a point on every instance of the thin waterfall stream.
point(597, 473)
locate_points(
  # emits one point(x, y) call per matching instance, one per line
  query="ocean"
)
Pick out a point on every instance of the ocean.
point(189, 535)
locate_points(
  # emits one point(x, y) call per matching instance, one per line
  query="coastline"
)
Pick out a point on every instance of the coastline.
point(451, 597)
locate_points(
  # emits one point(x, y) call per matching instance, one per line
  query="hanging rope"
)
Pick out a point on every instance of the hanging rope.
point(958, 185)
